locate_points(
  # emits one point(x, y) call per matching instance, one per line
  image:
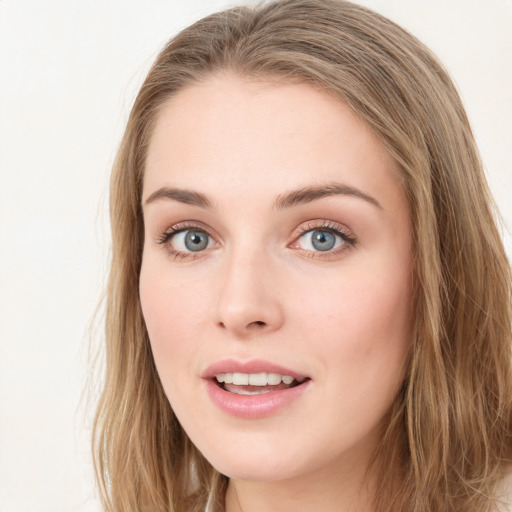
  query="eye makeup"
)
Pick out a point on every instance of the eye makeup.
point(317, 239)
point(326, 239)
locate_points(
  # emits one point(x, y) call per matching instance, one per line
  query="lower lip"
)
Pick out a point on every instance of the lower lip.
point(253, 406)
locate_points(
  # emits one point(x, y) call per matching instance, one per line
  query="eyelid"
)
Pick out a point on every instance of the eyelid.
point(164, 238)
point(327, 225)
point(179, 227)
point(324, 225)
point(315, 224)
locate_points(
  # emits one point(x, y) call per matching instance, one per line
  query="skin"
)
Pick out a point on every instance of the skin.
point(260, 290)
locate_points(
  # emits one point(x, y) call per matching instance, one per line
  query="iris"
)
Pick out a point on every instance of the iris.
point(323, 240)
point(196, 240)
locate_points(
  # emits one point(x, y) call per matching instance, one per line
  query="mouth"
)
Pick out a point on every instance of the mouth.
point(256, 383)
point(255, 388)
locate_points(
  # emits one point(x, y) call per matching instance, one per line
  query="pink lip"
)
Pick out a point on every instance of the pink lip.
point(251, 406)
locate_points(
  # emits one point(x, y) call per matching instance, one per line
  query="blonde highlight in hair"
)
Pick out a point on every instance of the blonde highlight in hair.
point(448, 441)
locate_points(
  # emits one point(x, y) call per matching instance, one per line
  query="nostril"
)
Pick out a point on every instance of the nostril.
point(259, 322)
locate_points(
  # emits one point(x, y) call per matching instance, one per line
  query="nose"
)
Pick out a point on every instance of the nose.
point(248, 302)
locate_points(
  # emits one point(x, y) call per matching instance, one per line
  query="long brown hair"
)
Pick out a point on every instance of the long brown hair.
point(448, 440)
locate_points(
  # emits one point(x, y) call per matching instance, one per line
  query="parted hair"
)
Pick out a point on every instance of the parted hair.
point(447, 445)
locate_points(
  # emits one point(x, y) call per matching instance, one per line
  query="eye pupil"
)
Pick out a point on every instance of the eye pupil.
point(323, 240)
point(196, 241)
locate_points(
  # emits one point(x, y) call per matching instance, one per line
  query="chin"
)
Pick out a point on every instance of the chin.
point(261, 464)
point(253, 472)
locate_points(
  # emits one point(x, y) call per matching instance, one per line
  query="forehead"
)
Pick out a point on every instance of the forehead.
point(234, 134)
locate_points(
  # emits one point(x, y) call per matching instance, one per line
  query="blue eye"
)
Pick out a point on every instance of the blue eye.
point(190, 240)
point(320, 240)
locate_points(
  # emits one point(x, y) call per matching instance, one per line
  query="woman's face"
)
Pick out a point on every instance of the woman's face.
point(277, 246)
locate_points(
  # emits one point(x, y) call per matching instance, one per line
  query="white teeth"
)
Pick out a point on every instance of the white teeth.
point(273, 379)
point(240, 379)
point(256, 379)
point(225, 377)
point(243, 391)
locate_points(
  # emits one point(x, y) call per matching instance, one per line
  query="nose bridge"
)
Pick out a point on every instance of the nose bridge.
point(248, 301)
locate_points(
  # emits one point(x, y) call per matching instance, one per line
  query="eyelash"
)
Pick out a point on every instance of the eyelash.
point(169, 233)
point(344, 233)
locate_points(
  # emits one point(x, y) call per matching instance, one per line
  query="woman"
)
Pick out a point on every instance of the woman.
point(309, 301)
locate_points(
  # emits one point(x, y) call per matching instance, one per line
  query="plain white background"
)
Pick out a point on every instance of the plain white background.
point(69, 71)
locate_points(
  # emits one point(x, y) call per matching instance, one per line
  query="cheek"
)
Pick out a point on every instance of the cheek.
point(363, 320)
point(171, 312)
point(360, 335)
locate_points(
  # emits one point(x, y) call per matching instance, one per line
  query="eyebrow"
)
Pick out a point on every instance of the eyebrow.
point(180, 195)
point(288, 200)
point(312, 193)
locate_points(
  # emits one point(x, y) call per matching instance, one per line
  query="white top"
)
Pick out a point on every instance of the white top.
point(506, 496)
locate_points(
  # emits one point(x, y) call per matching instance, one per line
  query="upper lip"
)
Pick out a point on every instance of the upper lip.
point(251, 366)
